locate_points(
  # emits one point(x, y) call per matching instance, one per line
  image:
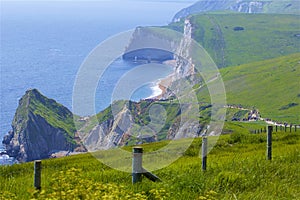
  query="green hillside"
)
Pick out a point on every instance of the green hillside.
point(234, 39)
point(272, 86)
point(237, 169)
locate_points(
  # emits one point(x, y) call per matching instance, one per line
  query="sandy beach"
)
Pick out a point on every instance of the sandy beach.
point(165, 83)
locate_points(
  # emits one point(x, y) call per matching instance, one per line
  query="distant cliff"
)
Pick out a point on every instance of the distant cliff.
point(149, 44)
point(40, 127)
point(244, 6)
point(160, 44)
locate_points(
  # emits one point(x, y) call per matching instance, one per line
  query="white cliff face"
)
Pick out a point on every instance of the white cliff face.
point(184, 64)
point(248, 7)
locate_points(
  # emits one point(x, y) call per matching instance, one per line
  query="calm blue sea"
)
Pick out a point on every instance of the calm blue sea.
point(43, 44)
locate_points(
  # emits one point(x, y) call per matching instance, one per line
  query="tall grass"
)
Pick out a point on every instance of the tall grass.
point(237, 169)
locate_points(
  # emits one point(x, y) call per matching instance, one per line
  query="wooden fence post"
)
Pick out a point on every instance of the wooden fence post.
point(295, 128)
point(269, 143)
point(291, 128)
point(137, 168)
point(276, 128)
point(37, 174)
point(285, 128)
point(151, 176)
point(204, 153)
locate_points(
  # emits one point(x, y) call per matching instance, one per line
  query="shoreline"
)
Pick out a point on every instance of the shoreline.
point(163, 84)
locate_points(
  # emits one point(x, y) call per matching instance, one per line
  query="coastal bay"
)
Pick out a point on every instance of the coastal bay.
point(35, 52)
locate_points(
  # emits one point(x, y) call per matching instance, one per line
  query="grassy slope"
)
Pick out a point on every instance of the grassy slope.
point(272, 86)
point(236, 168)
point(268, 85)
point(264, 36)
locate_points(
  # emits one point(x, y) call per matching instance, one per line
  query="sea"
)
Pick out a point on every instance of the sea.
point(44, 43)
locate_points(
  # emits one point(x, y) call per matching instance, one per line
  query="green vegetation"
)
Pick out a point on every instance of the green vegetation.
point(237, 168)
point(268, 86)
point(271, 86)
point(234, 38)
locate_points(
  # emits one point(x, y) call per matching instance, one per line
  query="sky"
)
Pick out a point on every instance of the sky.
point(52, 7)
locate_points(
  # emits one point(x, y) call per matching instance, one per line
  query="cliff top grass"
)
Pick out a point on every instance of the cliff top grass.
point(272, 86)
point(237, 169)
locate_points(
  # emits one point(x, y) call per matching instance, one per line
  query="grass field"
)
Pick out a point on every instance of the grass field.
point(272, 86)
point(237, 169)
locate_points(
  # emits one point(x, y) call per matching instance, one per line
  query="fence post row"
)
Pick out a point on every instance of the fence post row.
point(269, 143)
point(138, 170)
point(37, 174)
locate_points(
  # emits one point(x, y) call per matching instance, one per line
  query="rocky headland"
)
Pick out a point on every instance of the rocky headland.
point(40, 127)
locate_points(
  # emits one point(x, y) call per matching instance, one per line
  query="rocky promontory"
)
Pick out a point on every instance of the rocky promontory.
point(40, 127)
